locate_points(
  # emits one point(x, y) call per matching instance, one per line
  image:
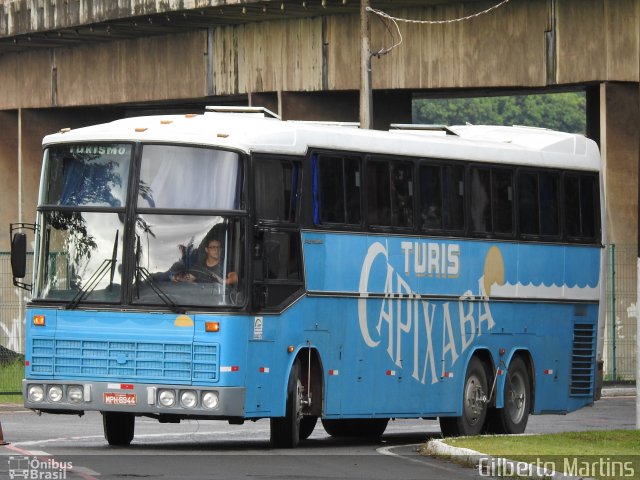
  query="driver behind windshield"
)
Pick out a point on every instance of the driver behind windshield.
point(206, 268)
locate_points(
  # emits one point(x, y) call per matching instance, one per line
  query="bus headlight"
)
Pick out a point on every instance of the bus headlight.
point(54, 393)
point(188, 399)
point(75, 394)
point(36, 393)
point(210, 399)
point(167, 398)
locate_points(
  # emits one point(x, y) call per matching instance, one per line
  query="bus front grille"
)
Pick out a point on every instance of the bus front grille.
point(143, 361)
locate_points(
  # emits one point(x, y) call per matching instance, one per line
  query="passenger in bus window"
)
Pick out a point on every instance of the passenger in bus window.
point(210, 268)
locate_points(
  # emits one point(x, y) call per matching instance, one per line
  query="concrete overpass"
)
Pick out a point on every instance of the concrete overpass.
point(67, 63)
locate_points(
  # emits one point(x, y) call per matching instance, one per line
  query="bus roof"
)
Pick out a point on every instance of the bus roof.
point(255, 132)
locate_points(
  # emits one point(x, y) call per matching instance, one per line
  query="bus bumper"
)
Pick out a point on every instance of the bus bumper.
point(142, 399)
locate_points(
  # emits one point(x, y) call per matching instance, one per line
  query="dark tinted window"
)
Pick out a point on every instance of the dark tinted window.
point(491, 203)
point(549, 205)
point(538, 204)
point(502, 200)
point(431, 197)
point(480, 207)
point(277, 185)
point(441, 197)
point(390, 193)
point(580, 200)
point(528, 209)
point(278, 256)
point(337, 190)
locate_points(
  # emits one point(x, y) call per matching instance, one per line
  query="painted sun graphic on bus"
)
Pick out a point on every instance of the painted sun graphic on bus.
point(493, 270)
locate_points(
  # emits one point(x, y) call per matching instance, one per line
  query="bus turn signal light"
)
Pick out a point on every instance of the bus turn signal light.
point(211, 326)
point(38, 320)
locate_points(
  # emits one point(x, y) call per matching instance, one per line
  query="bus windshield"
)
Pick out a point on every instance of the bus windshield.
point(79, 256)
point(187, 240)
point(188, 237)
point(191, 260)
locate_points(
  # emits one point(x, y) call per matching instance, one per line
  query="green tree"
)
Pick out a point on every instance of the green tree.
point(558, 111)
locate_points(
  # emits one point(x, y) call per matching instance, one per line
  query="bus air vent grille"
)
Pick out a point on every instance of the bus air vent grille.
point(583, 360)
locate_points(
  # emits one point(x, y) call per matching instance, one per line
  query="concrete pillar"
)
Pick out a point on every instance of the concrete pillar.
point(619, 119)
point(9, 167)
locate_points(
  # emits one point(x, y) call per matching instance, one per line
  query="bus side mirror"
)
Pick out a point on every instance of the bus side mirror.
point(19, 256)
point(19, 253)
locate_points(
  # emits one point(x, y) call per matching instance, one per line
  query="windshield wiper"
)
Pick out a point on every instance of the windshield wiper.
point(92, 283)
point(143, 273)
point(114, 256)
point(94, 280)
point(162, 295)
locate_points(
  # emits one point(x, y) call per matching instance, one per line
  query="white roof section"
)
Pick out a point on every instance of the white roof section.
point(251, 131)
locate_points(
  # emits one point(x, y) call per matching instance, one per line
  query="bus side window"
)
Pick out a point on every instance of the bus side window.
point(480, 210)
point(453, 194)
point(431, 197)
point(337, 190)
point(277, 268)
point(390, 193)
point(401, 194)
point(277, 258)
point(378, 194)
point(528, 208)
point(549, 206)
point(277, 184)
point(580, 197)
point(502, 201)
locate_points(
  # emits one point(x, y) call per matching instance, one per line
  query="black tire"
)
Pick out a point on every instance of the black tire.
point(474, 404)
point(285, 431)
point(336, 428)
point(514, 416)
point(356, 427)
point(307, 425)
point(118, 428)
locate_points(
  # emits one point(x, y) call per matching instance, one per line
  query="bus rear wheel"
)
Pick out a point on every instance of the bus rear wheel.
point(356, 427)
point(285, 431)
point(514, 416)
point(474, 404)
point(118, 427)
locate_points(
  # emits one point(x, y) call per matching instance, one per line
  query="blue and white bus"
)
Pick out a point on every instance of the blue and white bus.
point(233, 266)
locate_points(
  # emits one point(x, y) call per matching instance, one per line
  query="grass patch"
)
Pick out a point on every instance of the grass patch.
point(597, 454)
point(11, 375)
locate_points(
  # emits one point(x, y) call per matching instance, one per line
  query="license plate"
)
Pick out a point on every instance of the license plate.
point(113, 398)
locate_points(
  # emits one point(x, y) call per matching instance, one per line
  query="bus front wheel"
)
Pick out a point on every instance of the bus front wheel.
point(474, 404)
point(118, 427)
point(285, 431)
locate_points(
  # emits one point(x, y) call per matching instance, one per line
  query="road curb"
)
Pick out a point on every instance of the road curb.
point(489, 466)
point(619, 392)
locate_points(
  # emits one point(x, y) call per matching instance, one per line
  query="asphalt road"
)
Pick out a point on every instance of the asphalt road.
point(46, 446)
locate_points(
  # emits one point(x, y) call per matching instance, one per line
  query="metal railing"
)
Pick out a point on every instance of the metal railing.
point(619, 352)
point(12, 300)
